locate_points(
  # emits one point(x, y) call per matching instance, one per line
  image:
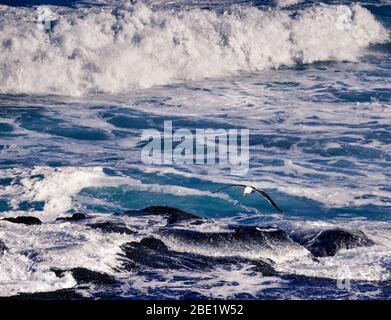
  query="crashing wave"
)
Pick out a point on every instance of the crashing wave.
point(102, 49)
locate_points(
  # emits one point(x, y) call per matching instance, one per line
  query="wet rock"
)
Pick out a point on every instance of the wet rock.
point(173, 215)
point(238, 235)
point(112, 227)
point(154, 244)
point(264, 267)
point(3, 248)
point(329, 242)
point(83, 275)
point(63, 294)
point(262, 234)
point(151, 253)
point(24, 220)
point(74, 218)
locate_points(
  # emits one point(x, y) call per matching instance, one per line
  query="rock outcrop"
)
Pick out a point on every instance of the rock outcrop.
point(24, 220)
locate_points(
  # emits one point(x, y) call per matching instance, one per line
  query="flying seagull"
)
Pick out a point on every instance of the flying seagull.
point(251, 189)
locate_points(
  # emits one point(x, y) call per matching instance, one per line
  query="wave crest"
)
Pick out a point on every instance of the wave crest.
point(114, 50)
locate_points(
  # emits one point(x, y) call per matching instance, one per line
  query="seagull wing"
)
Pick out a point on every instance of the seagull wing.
point(268, 198)
point(231, 185)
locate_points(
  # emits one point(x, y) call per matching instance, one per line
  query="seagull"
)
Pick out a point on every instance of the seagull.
point(251, 189)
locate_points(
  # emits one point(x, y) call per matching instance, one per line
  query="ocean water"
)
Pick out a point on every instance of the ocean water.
point(312, 83)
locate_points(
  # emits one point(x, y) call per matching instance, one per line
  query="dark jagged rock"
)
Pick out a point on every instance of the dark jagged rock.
point(154, 244)
point(24, 220)
point(83, 275)
point(112, 227)
point(265, 237)
point(152, 253)
point(3, 248)
point(248, 233)
point(74, 218)
point(264, 267)
point(173, 215)
point(329, 242)
point(63, 294)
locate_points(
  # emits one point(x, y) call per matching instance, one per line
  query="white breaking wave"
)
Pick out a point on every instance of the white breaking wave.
point(110, 50)
point(286, 3)
point(58, 187)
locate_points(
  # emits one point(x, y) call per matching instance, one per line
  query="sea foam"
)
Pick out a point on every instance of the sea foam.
point(116, 50)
